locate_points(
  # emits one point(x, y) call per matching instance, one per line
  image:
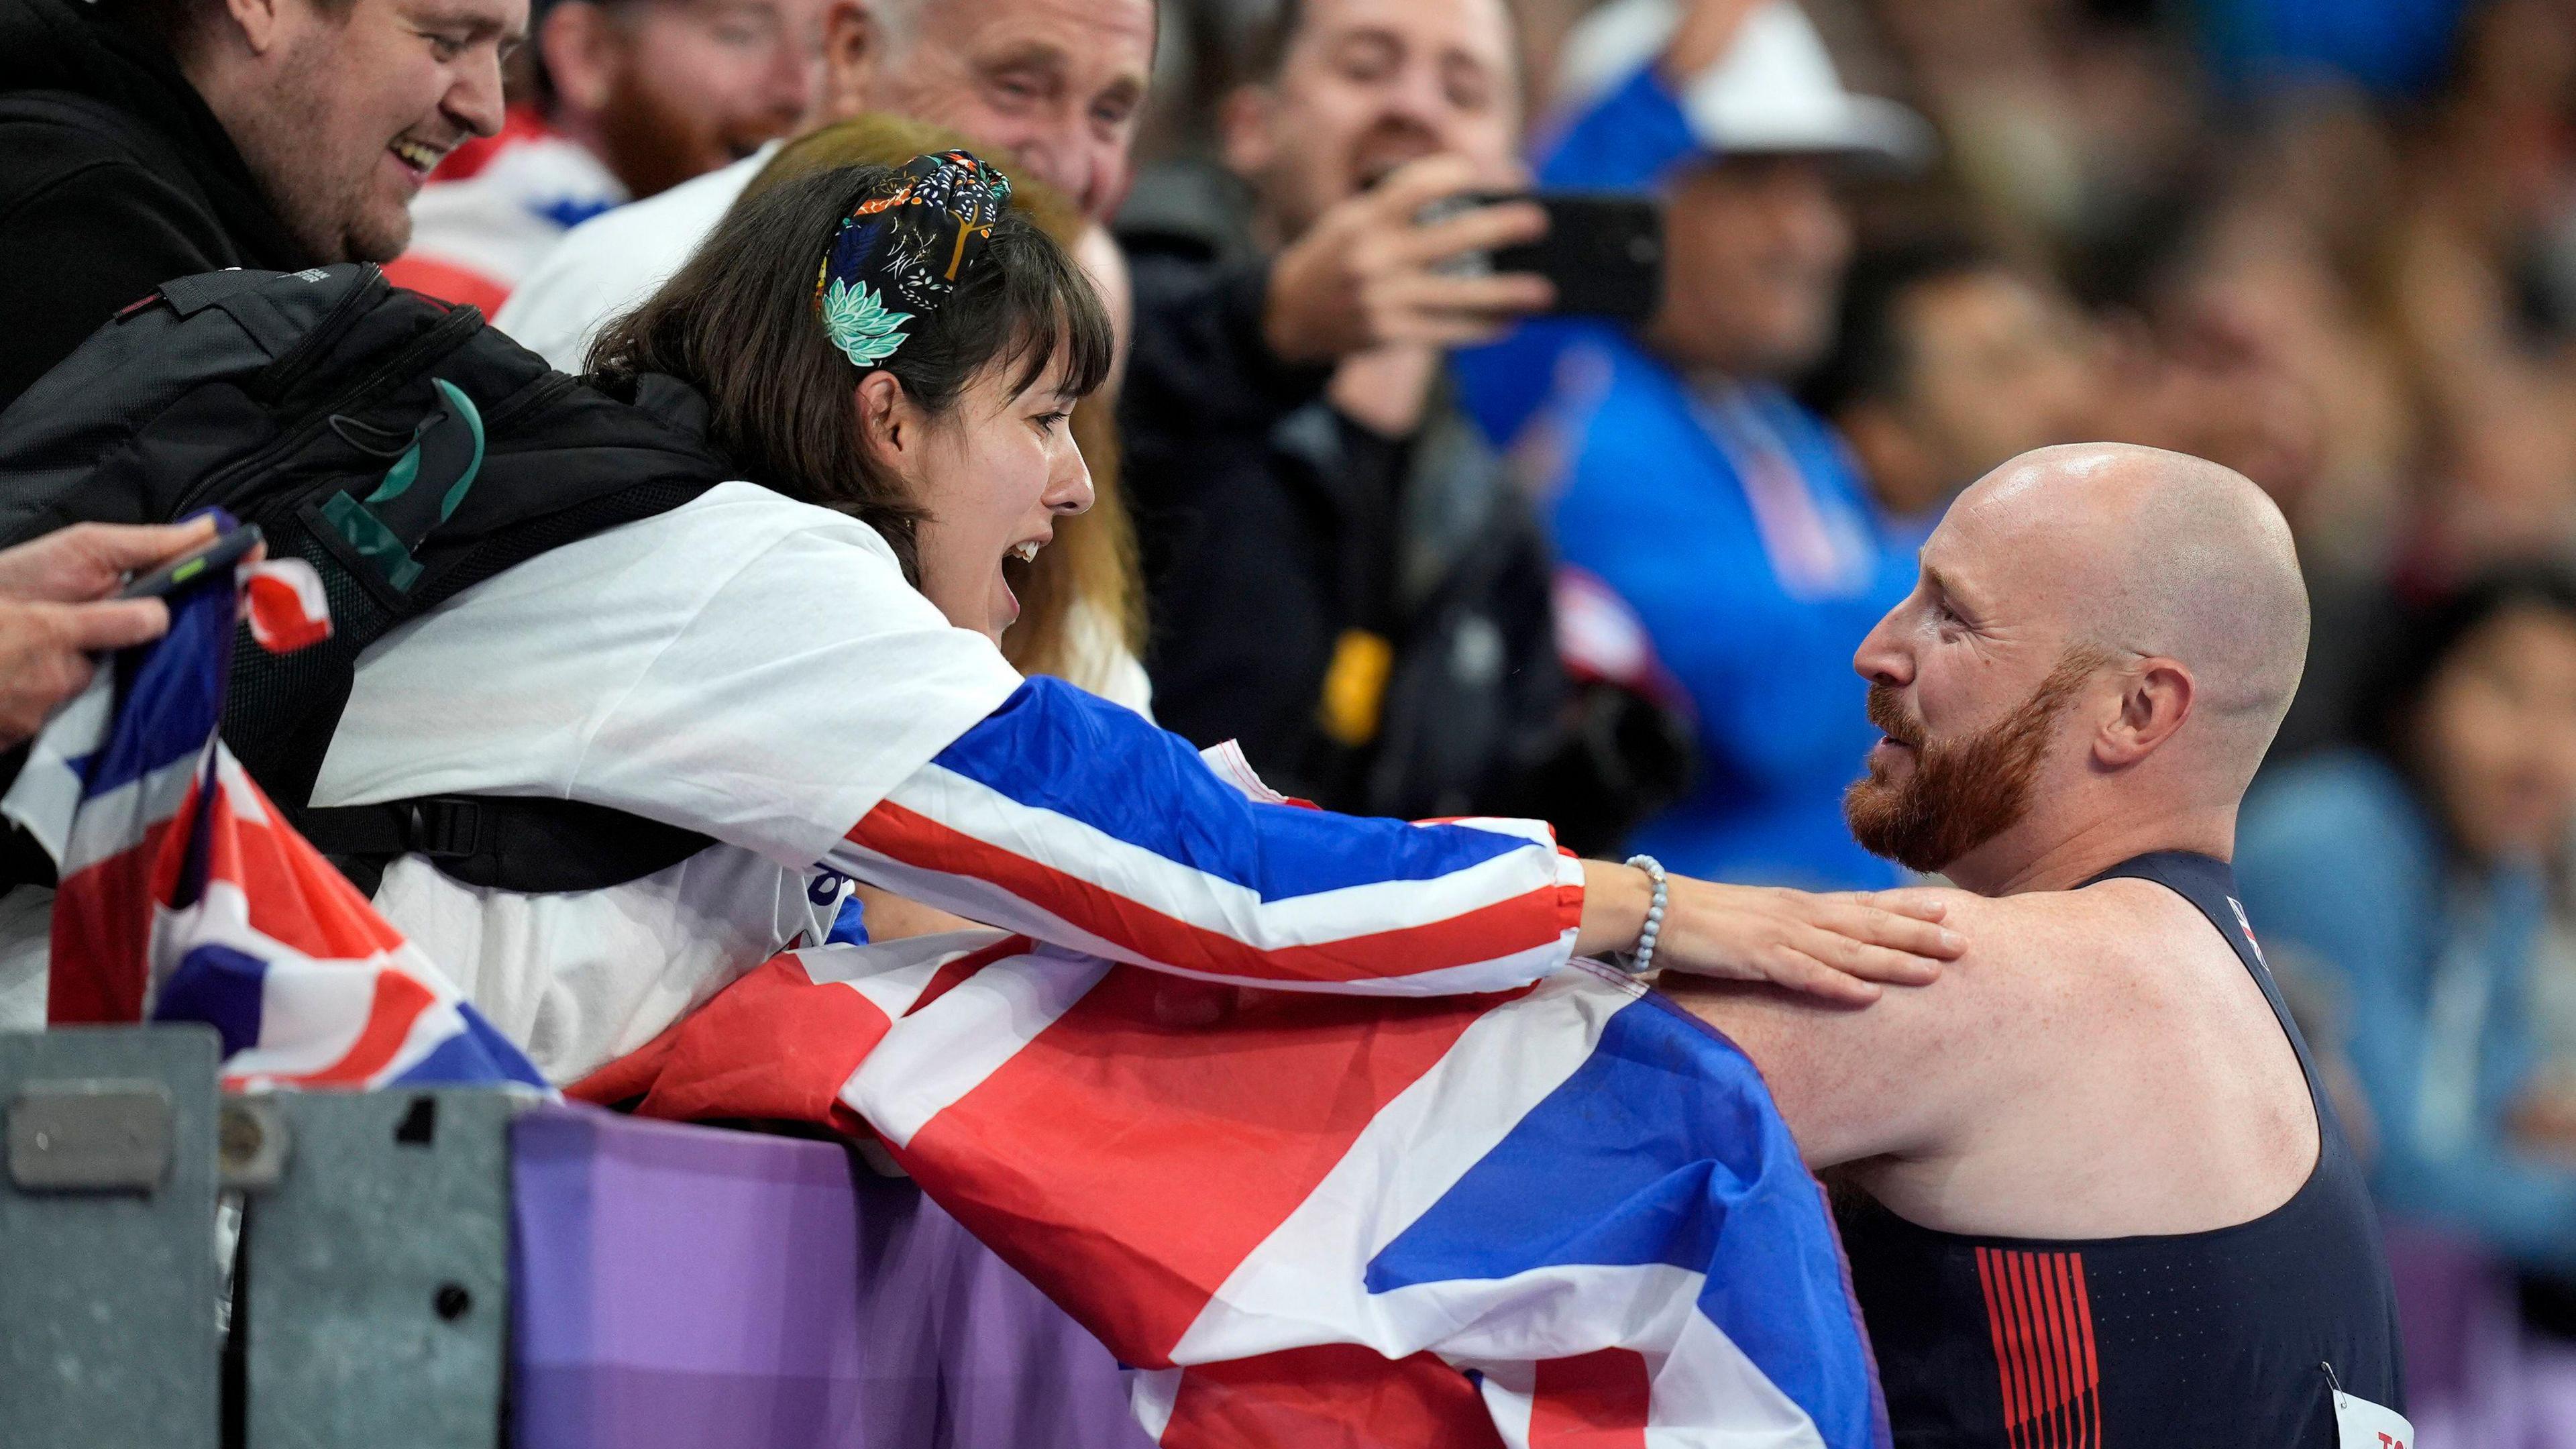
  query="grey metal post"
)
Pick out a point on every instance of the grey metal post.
point(108, 1278)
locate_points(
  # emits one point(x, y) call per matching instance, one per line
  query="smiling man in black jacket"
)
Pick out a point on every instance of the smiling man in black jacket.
point(142, 140)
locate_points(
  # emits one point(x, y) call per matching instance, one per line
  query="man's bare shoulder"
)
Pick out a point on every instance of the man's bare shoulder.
point(2117, 930)
point(2048, 977)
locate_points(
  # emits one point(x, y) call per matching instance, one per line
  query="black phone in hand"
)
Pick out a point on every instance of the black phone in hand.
point(218, 553)
point(1604, 252)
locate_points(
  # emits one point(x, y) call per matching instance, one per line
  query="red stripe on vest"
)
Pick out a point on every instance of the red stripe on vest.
point(2039, 1318)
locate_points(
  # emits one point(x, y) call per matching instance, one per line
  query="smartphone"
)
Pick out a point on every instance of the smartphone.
point(1603, 250)
point(222, 552)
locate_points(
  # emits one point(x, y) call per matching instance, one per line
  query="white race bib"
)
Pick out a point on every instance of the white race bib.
point(2361, 1424)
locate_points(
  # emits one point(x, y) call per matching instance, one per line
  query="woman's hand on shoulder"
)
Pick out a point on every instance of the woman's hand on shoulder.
point(1840, 947)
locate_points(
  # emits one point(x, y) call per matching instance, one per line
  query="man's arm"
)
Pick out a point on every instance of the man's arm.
point(1894, 1078)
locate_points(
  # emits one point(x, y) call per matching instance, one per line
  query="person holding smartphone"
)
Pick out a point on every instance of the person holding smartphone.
point(1341, 576)
point(62, 609)
point(59, 612)
point(1678, 470)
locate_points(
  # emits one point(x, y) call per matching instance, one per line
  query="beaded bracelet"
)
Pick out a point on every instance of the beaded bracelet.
point(1643, 959)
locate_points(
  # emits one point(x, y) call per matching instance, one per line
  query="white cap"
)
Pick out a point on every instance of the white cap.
point(1774, 90)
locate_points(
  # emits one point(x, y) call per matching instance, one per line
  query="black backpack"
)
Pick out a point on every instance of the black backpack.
point(407, 451)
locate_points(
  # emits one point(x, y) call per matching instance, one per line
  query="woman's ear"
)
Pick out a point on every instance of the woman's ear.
point(889, 425)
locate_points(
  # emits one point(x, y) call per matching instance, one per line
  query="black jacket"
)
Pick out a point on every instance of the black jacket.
point(114, 178)
point(1283, 542)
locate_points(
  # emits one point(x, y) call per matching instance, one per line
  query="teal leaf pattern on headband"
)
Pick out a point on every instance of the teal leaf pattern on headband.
point(860, 324)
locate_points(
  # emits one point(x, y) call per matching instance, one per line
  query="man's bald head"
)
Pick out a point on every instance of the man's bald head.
point(2157, 553)
point(2102, 632)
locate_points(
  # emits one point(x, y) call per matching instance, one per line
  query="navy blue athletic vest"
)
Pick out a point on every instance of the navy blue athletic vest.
point(2230, 1339)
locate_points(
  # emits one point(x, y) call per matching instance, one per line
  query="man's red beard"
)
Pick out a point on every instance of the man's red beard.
point(1962, 793)
point(652, 143)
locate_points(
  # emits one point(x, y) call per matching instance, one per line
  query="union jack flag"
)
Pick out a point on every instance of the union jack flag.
point(184, 896)
point(1559, 1216)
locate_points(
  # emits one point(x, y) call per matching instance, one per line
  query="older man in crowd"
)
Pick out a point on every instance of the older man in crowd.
point(2098, 1194)
point(632, 98)
point(1684, 477)
point(151, 139)
point(1052, 87)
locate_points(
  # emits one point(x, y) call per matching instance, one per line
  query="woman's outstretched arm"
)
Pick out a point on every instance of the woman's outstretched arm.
point(1077, 822)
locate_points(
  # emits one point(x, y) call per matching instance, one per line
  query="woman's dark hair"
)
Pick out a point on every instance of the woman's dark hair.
point(738, 324)
point(2423, 636)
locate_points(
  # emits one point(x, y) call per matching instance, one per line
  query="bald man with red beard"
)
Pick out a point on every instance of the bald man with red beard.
point(2091, 1189)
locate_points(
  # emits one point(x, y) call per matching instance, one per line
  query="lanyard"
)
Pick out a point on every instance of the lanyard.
point(1814, 548)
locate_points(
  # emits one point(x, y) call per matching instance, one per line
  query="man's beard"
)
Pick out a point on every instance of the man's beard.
point(1962, 793)
point(652, 143)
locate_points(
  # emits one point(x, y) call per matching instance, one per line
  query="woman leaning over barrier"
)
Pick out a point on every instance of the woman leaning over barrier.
point(802, 666)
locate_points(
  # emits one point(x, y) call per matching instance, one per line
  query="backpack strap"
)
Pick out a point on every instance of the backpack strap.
point(521, 844)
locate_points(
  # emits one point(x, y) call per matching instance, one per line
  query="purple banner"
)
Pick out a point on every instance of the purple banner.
point(683, 1286)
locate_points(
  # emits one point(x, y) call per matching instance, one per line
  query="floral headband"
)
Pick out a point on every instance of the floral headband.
point(906, 250)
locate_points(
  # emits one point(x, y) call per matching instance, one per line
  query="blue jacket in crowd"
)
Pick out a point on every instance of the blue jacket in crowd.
point(2345, 874)
point(1730, 520)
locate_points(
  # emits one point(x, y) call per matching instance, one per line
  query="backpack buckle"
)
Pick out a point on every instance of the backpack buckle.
point(448, 828)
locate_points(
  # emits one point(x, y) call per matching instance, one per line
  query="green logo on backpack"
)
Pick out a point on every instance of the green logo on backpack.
point(419, 492)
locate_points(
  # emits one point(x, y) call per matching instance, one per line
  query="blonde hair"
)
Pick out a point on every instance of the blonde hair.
point(1091, 568)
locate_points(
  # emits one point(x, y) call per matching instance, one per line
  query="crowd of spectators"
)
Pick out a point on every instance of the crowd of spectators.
point(1425, 552)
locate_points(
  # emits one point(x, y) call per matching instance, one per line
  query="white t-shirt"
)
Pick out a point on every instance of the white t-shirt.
point(745, 665)
point(616, 260)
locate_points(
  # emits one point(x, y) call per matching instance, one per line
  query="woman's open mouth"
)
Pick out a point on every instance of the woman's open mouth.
point(1022, 554)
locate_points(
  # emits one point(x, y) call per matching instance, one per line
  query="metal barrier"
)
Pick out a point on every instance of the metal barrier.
point(375, 1269)
point(108, 1282)
point(468, 1268)
point(370, 1291)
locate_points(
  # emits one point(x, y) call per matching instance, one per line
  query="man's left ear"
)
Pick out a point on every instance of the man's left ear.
point(2155, 698)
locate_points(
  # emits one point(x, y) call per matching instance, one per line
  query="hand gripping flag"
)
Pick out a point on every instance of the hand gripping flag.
point(184, 896)
point(1562, 1216)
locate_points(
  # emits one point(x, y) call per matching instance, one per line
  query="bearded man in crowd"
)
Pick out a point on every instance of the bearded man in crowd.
point(632, 97)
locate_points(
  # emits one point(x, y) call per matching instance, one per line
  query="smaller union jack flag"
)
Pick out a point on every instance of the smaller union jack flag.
point(185, 896)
